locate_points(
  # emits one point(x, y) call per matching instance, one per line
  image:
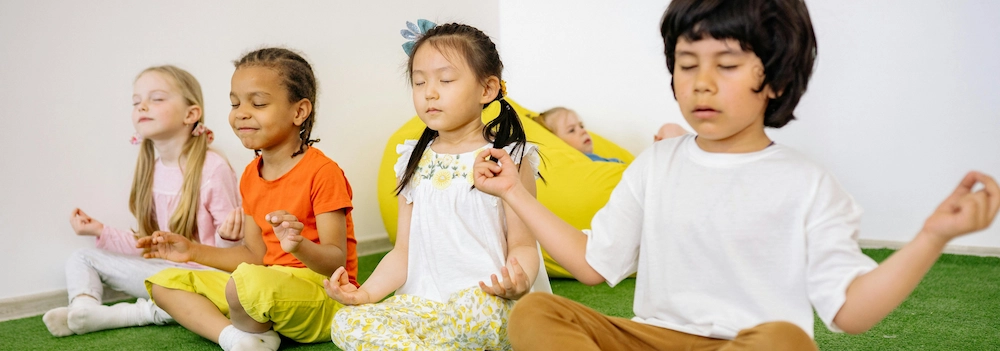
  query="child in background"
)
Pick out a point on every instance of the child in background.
point(566, 125)
point(179, 186)
point(298, 227)
point(451, 237)
point(735, 239)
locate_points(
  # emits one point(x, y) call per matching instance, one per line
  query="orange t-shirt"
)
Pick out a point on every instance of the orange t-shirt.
point(314, 185)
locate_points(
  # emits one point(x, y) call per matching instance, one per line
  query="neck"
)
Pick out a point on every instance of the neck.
point(469, 135)
point(750, 139)
point(277, 159)
point(170, 150)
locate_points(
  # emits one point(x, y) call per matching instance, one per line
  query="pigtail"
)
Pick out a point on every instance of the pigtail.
point(418, 151)
point(506, 129)
point(140, 201)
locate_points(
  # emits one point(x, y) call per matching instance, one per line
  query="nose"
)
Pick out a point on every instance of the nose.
point(240, 112)
point(704, 80)
point(142, 106)
point(430, 91)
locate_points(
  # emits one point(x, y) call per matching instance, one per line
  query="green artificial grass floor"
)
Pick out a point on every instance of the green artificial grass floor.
point(956, 307)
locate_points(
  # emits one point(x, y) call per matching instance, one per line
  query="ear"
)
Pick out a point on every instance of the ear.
point(193, 114)
point(302, 110)
point(490, 89)
point(771, 94)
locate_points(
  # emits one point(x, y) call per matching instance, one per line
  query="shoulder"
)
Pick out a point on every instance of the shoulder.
point(215, 164)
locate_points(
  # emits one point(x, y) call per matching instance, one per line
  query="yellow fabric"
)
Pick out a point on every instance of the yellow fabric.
point(574, 188)
point(293, 298)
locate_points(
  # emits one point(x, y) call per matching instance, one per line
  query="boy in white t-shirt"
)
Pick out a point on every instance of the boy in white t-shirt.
point(735, 240)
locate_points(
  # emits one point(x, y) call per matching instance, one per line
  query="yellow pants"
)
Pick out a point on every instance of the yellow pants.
point(470, 320)
point(292, 298)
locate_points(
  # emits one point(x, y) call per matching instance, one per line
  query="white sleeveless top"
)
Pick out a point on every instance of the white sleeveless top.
point(457, 233)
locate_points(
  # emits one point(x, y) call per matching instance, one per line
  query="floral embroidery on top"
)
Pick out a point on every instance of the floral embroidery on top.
point(441, 170)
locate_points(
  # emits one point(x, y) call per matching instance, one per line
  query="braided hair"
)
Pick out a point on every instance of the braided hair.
point(298, 78)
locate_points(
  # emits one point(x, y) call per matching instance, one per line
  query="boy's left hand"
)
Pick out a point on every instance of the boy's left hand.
point(287, 228)
point(513, 286)
point(965, 211)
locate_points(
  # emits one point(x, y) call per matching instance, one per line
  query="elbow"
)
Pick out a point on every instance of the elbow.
point(591, 279)
point(852, 327)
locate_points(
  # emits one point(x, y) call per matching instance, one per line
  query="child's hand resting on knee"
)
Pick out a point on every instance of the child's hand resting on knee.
point(515, 282)
point(232, 228)
point(339, 288)
point(965, 211)
point(165, 245)
point(84, 225)
point(287, 228)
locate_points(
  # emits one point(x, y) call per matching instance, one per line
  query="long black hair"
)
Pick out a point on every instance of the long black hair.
point(482, 57)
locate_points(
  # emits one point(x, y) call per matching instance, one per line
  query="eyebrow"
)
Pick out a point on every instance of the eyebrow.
point(153, 91)
point(253, 94)
point(728, 51)
point(445, 68)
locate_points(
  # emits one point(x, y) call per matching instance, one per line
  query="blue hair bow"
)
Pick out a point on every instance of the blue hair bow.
point(414, 32)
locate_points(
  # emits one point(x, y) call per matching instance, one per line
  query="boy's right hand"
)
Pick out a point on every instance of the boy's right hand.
point(495, 177)
point(339, 288)
point(84, 225)
point(287, 228)
point(166, 245)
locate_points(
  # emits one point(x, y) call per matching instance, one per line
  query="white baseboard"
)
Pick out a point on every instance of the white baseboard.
point(369, 246)
point(36, 304)
point(950, 249)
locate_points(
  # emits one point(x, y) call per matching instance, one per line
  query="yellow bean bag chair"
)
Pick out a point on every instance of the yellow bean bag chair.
point(574, 187)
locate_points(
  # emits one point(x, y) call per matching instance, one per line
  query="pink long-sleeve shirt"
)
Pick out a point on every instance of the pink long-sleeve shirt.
point(219, 196)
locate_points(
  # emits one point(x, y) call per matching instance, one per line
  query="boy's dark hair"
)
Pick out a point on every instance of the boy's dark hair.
point(778, 31)
point(298, 78)
point(480, 54)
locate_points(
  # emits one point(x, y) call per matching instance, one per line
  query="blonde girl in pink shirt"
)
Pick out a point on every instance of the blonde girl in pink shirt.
point(179, 186)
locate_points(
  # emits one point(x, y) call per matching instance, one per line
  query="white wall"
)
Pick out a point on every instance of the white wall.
point(66, 71)
point(903, 102)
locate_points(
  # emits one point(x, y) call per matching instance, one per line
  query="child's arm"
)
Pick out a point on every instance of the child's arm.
point(389, 274)
point(565, 244)
point(177, 248)
point(522, 252)
point(323, 258)
point(872, 296)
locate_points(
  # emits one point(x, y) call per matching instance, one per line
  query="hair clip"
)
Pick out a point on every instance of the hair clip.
point(414, 32)
point(503, 88)
point(200, 129)
point(136, 139)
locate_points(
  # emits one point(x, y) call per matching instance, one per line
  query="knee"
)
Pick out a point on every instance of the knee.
point(530, 308)
point(232, 296)
point(783, 336)
point(81, 256)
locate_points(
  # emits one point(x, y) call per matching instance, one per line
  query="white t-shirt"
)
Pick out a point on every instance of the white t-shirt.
point(458, 235)
point(724, 242)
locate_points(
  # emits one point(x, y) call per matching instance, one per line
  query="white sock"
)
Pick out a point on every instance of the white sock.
point(84, 301)
point(82, 320)
point(233, 339)
point(55, 320)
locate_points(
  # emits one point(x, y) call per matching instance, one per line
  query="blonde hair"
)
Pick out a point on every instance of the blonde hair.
point(544, 117)
point(184, 219)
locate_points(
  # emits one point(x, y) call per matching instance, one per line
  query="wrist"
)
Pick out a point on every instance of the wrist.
point(194, 252)
point(931, 239)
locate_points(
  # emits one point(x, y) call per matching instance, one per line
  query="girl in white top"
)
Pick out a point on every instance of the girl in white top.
point(461, 256)
point(180, 186)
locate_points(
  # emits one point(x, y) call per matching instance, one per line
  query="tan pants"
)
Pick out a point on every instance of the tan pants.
point(542, 321)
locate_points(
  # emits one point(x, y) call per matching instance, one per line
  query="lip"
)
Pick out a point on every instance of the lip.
point(704, 112)
point(433, 110)
point(144, 119)
point(245, 130)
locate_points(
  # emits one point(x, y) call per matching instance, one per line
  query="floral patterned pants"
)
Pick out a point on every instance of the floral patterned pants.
point(470, 320)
